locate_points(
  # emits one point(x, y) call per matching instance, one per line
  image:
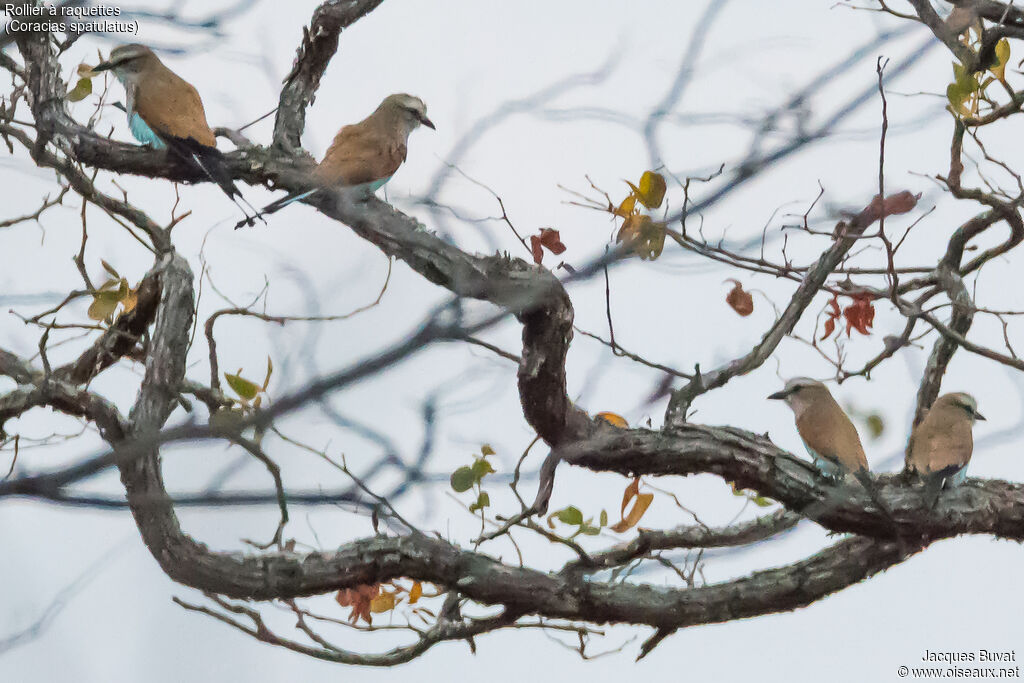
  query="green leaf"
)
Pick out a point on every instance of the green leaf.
point(1002, 57)
point(245, 389)
point(463, 479)
point(876, 425)
point(481, 468)
point(604, 518)
point(761, 501)
point(81, 90)
point(486, 450)
point(588, 530)
point(570, 515)
point(482, 501)
point(110, 269)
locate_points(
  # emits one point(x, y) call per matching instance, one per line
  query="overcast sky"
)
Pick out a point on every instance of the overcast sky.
point(468, 59)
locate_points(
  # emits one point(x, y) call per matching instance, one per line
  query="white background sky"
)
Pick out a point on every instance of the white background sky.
point(466, 58)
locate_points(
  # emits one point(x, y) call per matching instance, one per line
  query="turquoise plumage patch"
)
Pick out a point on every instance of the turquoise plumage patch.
point(143, 133)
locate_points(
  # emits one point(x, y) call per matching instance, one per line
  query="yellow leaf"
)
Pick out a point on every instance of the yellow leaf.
point(643, 501)
point(1002, 58)
point(613, 419)
point(486, 450)
point(103, 305)
point(652, 189)
point(85, 71)
point(415, 593)
point(130, 300)
point(110, 269)
point(627, 207)
point(627, 495)
point(385, 602)
point(270, 371)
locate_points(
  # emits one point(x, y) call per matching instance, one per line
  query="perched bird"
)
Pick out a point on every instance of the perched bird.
point(941, 445)
point(828, 435)
point(165, 112)
point(365, 154)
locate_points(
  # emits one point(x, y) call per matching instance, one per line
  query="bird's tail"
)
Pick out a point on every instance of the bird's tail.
point(868, 483)
point(933, 482)
point(210, 161)
point(278, 204)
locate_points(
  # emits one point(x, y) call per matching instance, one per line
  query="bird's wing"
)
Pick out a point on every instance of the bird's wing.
point(939, 445)
point(360, 155)
point(832, 436)
point(172, 108)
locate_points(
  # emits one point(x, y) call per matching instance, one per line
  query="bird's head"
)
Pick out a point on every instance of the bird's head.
point(128, 61)
point(801, 392)
point(410, 110)
point(959, 403)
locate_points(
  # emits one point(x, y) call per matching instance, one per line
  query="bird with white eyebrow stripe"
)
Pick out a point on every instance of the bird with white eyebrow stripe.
point(365, 155)
point(165, 112)
point(942, 444)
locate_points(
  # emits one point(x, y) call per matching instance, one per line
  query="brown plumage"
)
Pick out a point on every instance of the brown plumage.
point(944, 441)
point(826, 430)
point(171, 113)
point(171, 106)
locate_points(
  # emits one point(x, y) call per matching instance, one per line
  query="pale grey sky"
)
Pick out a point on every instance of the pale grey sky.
point(466, 58)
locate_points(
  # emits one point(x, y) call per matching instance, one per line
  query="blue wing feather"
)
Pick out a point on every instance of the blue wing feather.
point(143, 133)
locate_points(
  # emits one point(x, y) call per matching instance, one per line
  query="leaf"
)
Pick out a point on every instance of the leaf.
point(627, 207)
point(833, 315)
point(359, 599)
point(613, 419)
point(604, 518)
point(876, 425)
point(85, 71)
point(628, 494)
point(415, 593)
point(480, 469)
point(103, 305)
point(570, 515)
point(588, 530)
point(463, 479)
point(535, 248)
point(385, 602)
point(762, 502)
point(644, 235)
point(486, 450)
point(742, 302)
point(482, 501)
point(130, 300)
point(651, 192)
point(1002, 57)
point(652, 189)
point(270, 371)
point(643, 501)
point(860, 315)
point(110, 269)
point(81, 90)
point(893, 205)
point(245, 389)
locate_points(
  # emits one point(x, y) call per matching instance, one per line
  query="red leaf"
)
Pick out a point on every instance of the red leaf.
point(833, 316)
point(548, 239)
point(860, 315)
point(552, 240)
point(359, 599)
point(742, 302)
point(894, 204)
point(535, 247)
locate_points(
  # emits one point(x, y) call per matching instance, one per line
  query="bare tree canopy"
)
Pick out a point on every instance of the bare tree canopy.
point(525, 386)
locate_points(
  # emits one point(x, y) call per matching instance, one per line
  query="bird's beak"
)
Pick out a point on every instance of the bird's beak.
point(427, 122)
point(979, 416)
point(103, 66)
point(779, 395)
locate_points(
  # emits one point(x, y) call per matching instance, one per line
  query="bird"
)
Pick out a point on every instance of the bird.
point(830, 437)
point(941, 445)
point(165, 112)
point(365, 155)
point(827, 433)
